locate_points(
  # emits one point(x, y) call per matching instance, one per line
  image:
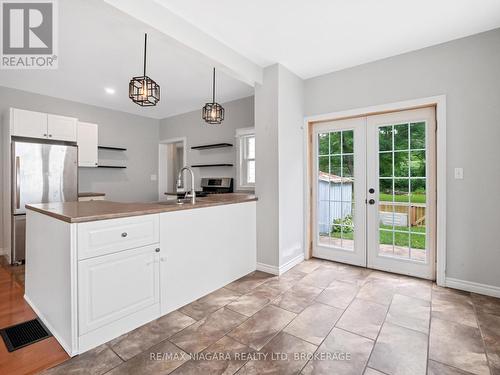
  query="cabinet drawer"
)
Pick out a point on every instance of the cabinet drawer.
point(110, 236)
point(116, 285)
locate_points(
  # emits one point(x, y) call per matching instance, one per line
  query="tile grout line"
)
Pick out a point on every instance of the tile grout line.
point(482, 335)
point(429, 338)
point(335, 326)
point(378, 334)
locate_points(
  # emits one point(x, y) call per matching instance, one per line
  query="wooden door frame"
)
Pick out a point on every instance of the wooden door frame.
point(439, 102)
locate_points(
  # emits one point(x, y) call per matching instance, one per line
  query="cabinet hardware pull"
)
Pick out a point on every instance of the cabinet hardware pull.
point(50, 135)
point(157, 249)
point(163, 259)
point(124, 234)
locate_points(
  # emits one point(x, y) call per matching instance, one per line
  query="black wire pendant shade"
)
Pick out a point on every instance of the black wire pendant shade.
point(213, 113)
point(143, 90)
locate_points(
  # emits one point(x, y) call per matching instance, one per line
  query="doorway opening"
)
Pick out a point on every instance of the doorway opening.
point(172, 157)
point(373, 191)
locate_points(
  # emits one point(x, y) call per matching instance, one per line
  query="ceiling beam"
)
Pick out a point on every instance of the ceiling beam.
point(160, 18)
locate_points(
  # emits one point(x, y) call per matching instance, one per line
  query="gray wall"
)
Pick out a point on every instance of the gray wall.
point(138, 134)
point(238, 114)
point(279, 159)
point(468, 72)
point(267, 167)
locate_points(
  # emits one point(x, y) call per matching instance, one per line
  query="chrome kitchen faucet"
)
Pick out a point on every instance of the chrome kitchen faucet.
point(179, 183)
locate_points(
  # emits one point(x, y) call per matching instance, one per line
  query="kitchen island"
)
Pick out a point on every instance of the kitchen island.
point(96, 270)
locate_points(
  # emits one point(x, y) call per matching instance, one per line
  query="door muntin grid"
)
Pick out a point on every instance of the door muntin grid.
point(402, 206)
point(335, 189)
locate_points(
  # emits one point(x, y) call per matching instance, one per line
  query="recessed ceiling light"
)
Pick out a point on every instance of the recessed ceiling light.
point(109, 90)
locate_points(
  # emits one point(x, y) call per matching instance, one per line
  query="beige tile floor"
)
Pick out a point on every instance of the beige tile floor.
point(318, 318)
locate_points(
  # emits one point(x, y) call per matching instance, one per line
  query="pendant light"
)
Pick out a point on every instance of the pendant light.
point(143, 90)
point(213, 113)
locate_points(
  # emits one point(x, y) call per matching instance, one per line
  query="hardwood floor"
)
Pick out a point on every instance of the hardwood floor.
point(14, 309)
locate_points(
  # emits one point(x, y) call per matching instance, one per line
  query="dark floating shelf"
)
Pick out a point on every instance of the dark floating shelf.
point(214, 145)
point(112, 166)
point(111, 148)
point(212, 165)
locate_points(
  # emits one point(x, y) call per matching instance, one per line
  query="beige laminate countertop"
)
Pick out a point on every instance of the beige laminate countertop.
point(79, 212)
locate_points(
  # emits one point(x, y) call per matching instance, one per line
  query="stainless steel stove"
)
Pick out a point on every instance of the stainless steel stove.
point(216, 185)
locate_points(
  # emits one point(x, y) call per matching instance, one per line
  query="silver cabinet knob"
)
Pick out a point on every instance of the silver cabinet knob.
point(124, 234)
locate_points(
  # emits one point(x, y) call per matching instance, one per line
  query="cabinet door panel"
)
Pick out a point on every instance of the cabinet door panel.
point(28, 123)
point(87, 144)
point(61, 128)
point(114, 286)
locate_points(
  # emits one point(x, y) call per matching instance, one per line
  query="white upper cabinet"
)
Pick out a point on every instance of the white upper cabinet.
point(42, 125)
point(61, 128)
point(28, 123)
point(87, 135)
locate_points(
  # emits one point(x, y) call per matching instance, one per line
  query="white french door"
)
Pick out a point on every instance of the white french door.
point(339, 191)
point(374, 191)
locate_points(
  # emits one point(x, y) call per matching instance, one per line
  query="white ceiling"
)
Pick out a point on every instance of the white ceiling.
point(101, 47)
point(319, 36)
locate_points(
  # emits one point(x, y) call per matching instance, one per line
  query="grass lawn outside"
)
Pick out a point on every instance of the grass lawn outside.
point(414, 198)
point(400, 239)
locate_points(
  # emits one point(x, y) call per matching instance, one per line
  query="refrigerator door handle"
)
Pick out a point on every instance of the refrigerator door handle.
point(18, 182)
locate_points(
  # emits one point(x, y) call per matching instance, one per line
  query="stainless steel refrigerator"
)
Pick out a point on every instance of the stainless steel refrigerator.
point(41, 173)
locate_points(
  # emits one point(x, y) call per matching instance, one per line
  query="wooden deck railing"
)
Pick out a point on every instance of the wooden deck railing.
point(415, 211)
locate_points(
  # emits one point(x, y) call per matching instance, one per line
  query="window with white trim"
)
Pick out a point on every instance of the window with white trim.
point(246, 158)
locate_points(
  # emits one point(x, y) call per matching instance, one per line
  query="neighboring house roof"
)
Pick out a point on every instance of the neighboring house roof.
point(323, 176)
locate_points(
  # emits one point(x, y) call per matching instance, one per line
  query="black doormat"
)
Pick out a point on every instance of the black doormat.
point(24, 334)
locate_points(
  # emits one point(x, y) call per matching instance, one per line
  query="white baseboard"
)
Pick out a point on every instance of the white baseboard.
point(274, 270)
point(291, 263)
point(469, 286)
point(61, 342)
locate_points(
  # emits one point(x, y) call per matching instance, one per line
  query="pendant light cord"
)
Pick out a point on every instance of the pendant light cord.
point(213, 93)
point(145, 46)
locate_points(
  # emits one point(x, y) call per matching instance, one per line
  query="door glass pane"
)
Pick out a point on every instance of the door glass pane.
point(336, 190)
point(335, 143)
point(336, 165)
point(348, 165)
point(323, 145)
point(401, 139)
point(385, 164)
point(417, 135)
point(417, 163)
point(402, 191)
point(401, 167)
point(385, 138)
point(348, 141)
point(323, 164)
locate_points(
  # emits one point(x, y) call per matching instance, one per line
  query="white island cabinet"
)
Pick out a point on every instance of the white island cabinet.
point(91, 279)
